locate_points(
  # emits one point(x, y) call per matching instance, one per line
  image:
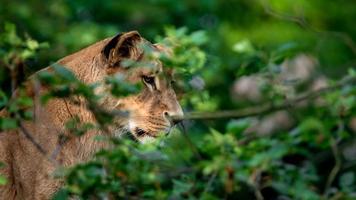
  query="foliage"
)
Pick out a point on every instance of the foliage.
point(214, 53)
point(3, 180)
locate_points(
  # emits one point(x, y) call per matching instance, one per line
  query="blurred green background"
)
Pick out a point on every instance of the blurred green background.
point(323, 28)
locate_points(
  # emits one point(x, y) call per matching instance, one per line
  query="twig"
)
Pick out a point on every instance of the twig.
point(335, 170)
point(62, 140)
point(37, 103)
point(265, 108)
point(29, 137)
point(190, 143)
point(210, 182)
point(256, 179)
point(304, 24)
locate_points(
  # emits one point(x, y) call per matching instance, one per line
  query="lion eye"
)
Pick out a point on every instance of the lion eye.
point(149, 80)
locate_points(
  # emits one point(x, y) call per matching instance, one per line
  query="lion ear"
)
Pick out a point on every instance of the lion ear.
point(162, 48)
point(122, 46)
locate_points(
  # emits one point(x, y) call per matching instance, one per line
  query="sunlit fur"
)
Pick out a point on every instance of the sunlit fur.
point(150, 109)
point(29, 172)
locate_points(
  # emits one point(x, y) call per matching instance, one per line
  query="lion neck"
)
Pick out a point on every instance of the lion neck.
point(89, 68)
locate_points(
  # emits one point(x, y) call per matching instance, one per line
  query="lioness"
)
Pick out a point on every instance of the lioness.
point(29, 172)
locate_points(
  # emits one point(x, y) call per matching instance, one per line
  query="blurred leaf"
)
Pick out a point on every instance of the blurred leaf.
point(3, 180)
point(3, 99)
point(244, 47)
point(64, 72)
point(238, 126)
point(284, 51)
point(7, 123)
point(62, 194)
point(347, 179)
point(180, 187)
point(32, 44)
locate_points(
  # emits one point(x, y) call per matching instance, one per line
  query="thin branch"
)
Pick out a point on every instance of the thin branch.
point(268, 107)
point(335, 170)
point(30, 138)
point(190, 143)
point(28, 135)
point(255, 182)
point(304, 24)
point(210, 182)
point(37, 102)
point(62, 140)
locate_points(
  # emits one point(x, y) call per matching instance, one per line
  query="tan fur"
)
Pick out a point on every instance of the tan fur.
point(29, 172)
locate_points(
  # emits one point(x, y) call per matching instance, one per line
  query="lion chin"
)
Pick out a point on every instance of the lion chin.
point(144, 136)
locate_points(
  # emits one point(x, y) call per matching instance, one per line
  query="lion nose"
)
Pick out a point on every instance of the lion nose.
point(173, 117)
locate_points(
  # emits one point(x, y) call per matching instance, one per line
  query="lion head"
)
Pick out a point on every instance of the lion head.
point(151, 109)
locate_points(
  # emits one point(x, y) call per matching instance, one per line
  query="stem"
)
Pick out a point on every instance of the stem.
point(335, 170)
point(265, 108)
point(30, 138)
point(301, 21)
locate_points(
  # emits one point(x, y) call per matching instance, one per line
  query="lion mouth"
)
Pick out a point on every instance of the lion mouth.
point(140, 133)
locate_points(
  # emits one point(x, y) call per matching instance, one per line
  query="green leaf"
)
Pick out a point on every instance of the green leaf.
point(244, 47)
point(199, 37)
point(180, 187)
point(284, 51)
point(3, 180)
point(351, 72)
point(7, 123)
point(62, 194)
point(24, 101)
point(11, 35)
point(347, 179)
point(32, 44)
point(3, 99)
point(238, 126)
point(64, 72)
